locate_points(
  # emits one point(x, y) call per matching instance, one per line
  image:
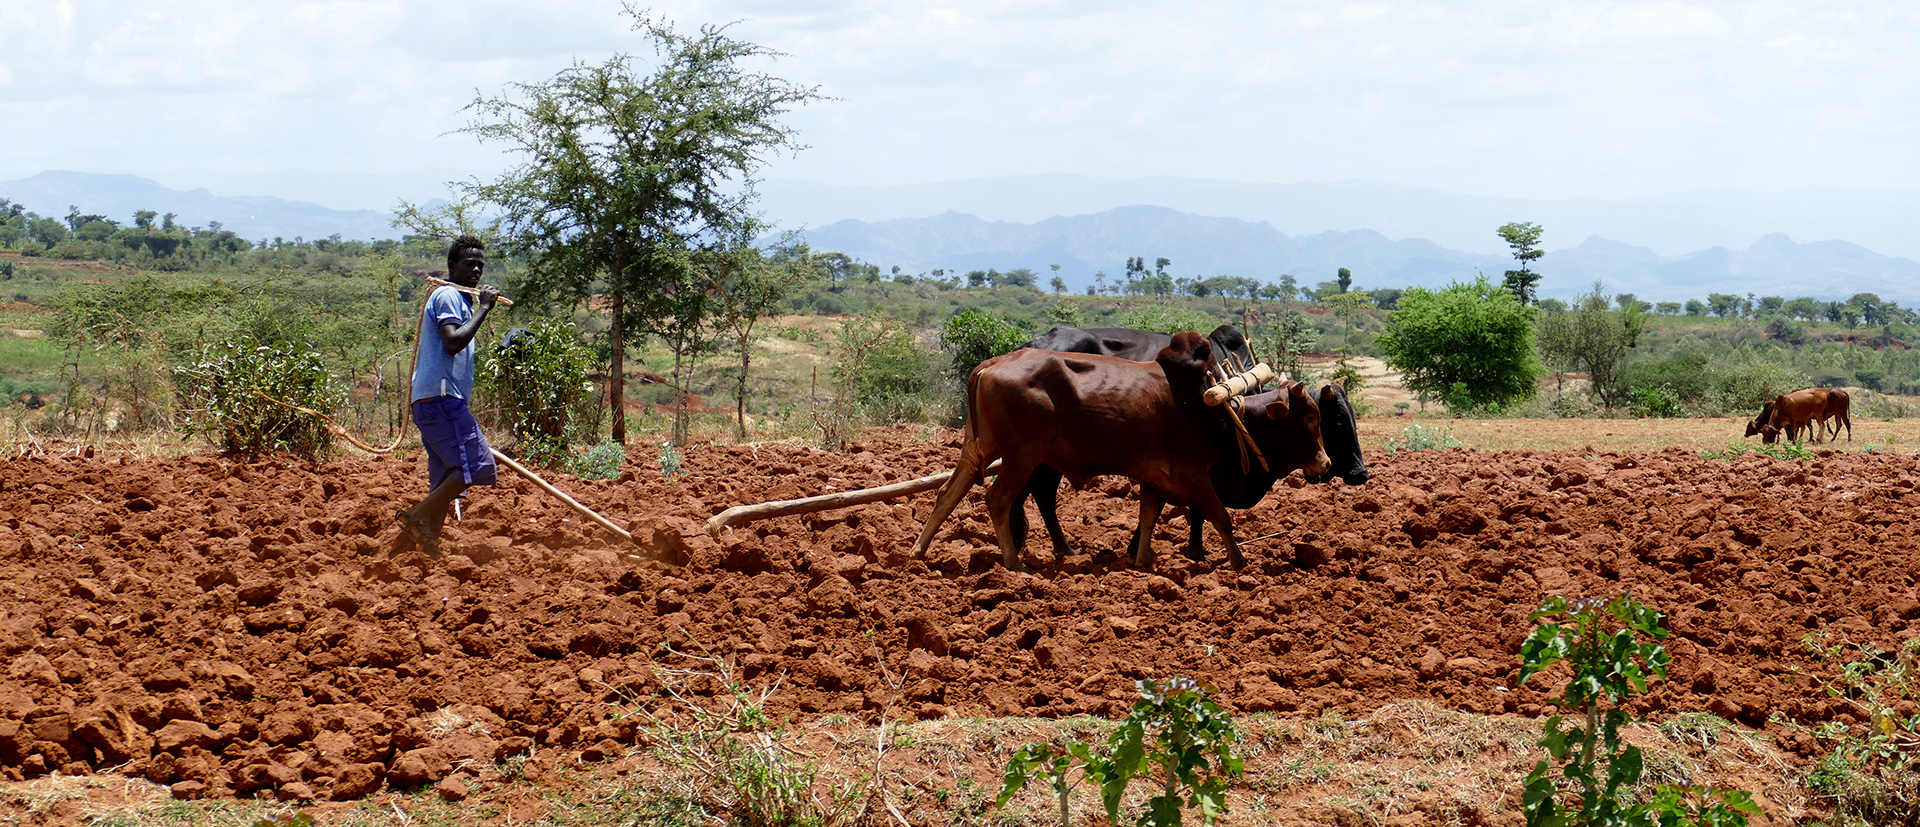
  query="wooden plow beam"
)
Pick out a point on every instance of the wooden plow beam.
point(742, 514)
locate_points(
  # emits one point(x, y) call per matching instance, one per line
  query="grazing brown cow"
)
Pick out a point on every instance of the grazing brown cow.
point(1090, 415)
point(1795, 412)
point(1809, 408)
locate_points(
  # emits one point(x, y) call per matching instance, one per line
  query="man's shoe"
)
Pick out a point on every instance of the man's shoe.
point(417, 533)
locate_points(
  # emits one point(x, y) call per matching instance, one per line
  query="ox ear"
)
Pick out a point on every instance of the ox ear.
point(1277, 409)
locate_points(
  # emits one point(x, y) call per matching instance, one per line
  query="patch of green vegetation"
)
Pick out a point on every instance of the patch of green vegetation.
point(1419, 437)
point(1778, 450)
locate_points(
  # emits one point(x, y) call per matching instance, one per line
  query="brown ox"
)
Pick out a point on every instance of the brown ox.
point(1089, 415)
point(1792, 413)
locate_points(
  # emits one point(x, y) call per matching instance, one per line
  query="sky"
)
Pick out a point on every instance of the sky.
point(1511, 98)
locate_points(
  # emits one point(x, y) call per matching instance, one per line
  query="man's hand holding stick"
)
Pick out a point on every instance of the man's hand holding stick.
point(471, 291)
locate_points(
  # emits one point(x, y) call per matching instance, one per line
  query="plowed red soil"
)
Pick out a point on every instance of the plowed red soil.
point(235, 627)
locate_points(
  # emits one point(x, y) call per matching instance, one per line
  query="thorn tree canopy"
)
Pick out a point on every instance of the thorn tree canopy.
point(625, 168)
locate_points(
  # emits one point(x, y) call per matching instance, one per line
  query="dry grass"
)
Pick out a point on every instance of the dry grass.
point(1615, 435)
point(1409, 759)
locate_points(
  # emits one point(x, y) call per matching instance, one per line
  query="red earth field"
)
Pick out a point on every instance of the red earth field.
point(237, 628)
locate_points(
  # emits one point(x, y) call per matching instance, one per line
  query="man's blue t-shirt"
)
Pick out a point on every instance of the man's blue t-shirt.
point(435, 373)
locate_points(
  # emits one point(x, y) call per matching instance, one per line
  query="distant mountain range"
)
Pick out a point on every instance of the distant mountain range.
point(1209, 246)
point(1416, 237)
point(254, 218)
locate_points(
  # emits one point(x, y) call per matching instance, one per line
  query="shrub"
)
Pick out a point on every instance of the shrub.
point(897, 379)
point(1687, 375)
point(1740, 389)
point(225, 395)
point(1470, 344)
point(1650, 403)
point(535, 378)
point(600, 462)
point(975, 336)
point(1868, 776)
point(1418, 437)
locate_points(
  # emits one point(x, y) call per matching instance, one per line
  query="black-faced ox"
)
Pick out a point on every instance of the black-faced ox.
point(1088, 415)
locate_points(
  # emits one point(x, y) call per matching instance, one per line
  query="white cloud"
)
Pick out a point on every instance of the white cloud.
point(1610, 98)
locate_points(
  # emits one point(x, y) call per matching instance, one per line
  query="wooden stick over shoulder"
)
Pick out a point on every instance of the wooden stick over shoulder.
point(504, 301)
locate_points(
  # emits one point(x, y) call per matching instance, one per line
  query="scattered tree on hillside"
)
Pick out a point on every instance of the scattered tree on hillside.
point(624, 172)
point(1524, 238)
point(746, 287)
point(1592, 338)
point(1346, 280)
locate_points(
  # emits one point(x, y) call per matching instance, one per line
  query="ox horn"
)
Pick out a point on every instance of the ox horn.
point(1239, 385)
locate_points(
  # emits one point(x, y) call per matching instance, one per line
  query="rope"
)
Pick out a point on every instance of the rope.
point(333, 426)
point(1245, 439)
point(1241, 435)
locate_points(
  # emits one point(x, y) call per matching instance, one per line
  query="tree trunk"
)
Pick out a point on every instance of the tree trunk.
point(617, 367)
point(680, 384)
point(740, 398)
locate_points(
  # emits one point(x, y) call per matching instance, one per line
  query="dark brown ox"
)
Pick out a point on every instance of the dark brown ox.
point(1090, 415)
point(1231, 355)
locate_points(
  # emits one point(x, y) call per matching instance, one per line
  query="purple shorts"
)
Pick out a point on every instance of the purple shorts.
point(453, 442)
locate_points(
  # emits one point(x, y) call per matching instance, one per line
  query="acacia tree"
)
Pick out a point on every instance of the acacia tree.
point(624, 170)
point(746, 286)
point(1469, 344)
point(1588, 336)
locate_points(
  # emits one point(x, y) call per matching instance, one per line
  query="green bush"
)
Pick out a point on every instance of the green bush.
point(1740, 389)
point(1176, 727)
point(1685, 374)
point(1868, 776)
point(897, 379)
point(1602, 642)
point(1419, 437)
point(974, 336)
point(600, 462)
point(1469, 344)
point(534, 382)
point(1169, 318)
point(225, 396)
point(1654, 403)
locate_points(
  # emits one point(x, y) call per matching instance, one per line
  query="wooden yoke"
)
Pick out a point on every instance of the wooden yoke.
point(1240, 385)
point(1228, 392)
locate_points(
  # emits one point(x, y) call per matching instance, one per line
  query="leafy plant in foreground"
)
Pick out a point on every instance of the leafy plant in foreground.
point(1610, 661)
point(1870, 776)
point(1175, 727)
